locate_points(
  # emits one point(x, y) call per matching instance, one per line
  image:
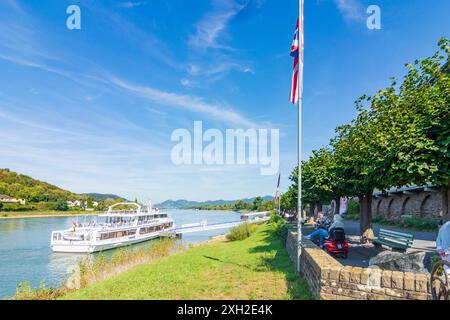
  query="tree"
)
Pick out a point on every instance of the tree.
point(288, 199)
point(320, 182)
point(424, 121)
point(361, 164)
point(61, 206)
point(239, 205)
point(401, 136)
point(90, 203)
point(257, 203)
point(101, 205)
point(268, 205)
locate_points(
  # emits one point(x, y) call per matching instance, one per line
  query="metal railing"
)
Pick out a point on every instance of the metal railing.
point(439, 282)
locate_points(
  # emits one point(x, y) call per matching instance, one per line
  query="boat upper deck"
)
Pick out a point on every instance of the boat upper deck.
point(134, 213)
point(138, 212)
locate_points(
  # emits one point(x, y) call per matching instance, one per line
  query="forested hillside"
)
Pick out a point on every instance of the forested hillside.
point(33, 191)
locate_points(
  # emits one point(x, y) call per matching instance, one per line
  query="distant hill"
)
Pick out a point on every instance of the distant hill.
point(24, 187)
point(180, 204)
point(102, 196)
point(21, 186)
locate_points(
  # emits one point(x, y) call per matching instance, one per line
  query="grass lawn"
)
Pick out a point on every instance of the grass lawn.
point(255, 268)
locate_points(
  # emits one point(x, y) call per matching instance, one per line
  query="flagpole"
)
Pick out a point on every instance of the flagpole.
point(299, 158)
point(279, 204)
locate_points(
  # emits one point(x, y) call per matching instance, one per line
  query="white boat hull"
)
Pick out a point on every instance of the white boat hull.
point(89, 247)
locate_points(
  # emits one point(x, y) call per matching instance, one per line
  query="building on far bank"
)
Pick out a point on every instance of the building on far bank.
point(8, 199)
point(80, 203)
point(74, 203)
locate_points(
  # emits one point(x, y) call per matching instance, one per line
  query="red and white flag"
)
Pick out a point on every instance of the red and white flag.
point(297, 53)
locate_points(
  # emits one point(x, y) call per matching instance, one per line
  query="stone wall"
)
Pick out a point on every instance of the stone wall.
point(328, 279)
point(420, 204)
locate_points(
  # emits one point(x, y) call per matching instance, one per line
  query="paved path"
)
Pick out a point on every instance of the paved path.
point(423, 240)
point(352, 227)
point(359, 254)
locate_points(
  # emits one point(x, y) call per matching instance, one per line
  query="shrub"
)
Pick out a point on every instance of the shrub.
point(279, 227)
point(353, 207)
point(91, 270)
point(60, 206)
point(17, 207)
point(25, 292)
point(410, 222)
point(241, 232)
point(420, 223)
point(435, 259)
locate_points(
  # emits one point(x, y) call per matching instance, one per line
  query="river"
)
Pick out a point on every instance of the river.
point(25, 253)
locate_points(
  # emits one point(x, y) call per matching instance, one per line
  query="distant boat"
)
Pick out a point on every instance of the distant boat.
point(254, 216)
point(115, 228)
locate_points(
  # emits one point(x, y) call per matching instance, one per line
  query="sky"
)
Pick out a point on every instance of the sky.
point(93, 110)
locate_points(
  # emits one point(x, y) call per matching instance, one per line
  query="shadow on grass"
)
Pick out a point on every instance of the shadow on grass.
point(229, 262)
point(274, 257)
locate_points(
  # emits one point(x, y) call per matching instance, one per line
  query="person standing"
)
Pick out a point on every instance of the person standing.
point(443, 244)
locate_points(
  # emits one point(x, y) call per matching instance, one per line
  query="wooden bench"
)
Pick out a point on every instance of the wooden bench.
point(397, 241)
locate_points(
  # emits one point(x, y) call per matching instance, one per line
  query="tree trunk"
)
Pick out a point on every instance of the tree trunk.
point(315, 210)
point(365, 217)
point(337, 206)
point(319, 207)
point(311, 210)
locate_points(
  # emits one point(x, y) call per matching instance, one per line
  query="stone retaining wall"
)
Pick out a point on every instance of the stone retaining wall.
point(420, 204)
point(328, 279)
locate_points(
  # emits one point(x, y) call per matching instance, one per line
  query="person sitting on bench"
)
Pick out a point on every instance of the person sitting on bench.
point(322, 221)
point(322, 231)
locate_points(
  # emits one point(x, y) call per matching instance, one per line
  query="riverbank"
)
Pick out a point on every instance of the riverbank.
point(44, 214)
point(255, 268)
point(34, 262)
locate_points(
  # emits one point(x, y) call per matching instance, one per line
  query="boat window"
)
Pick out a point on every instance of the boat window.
point(148, 230)
point(117, 234)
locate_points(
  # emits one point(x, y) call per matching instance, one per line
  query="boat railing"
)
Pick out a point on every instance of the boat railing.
point(110, 225)
point(124, 212)
point(138, 207)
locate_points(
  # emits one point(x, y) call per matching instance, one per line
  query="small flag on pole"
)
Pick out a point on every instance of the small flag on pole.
point(277, 192)
point(297, 45)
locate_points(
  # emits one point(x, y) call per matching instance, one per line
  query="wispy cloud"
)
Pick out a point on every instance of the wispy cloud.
point(142, 39)
point(13, 4)
point(351, 10)
point(214, 23)
point(130, 4)
point(215, 112)
point(211, 39)
point(216, 68)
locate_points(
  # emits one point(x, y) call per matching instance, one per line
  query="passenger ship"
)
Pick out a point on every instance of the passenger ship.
point(115, 228)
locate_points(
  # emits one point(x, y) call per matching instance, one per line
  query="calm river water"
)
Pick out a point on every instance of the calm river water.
point(25, 253)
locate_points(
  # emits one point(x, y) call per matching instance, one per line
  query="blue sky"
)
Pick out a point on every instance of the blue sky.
point(92, 110)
